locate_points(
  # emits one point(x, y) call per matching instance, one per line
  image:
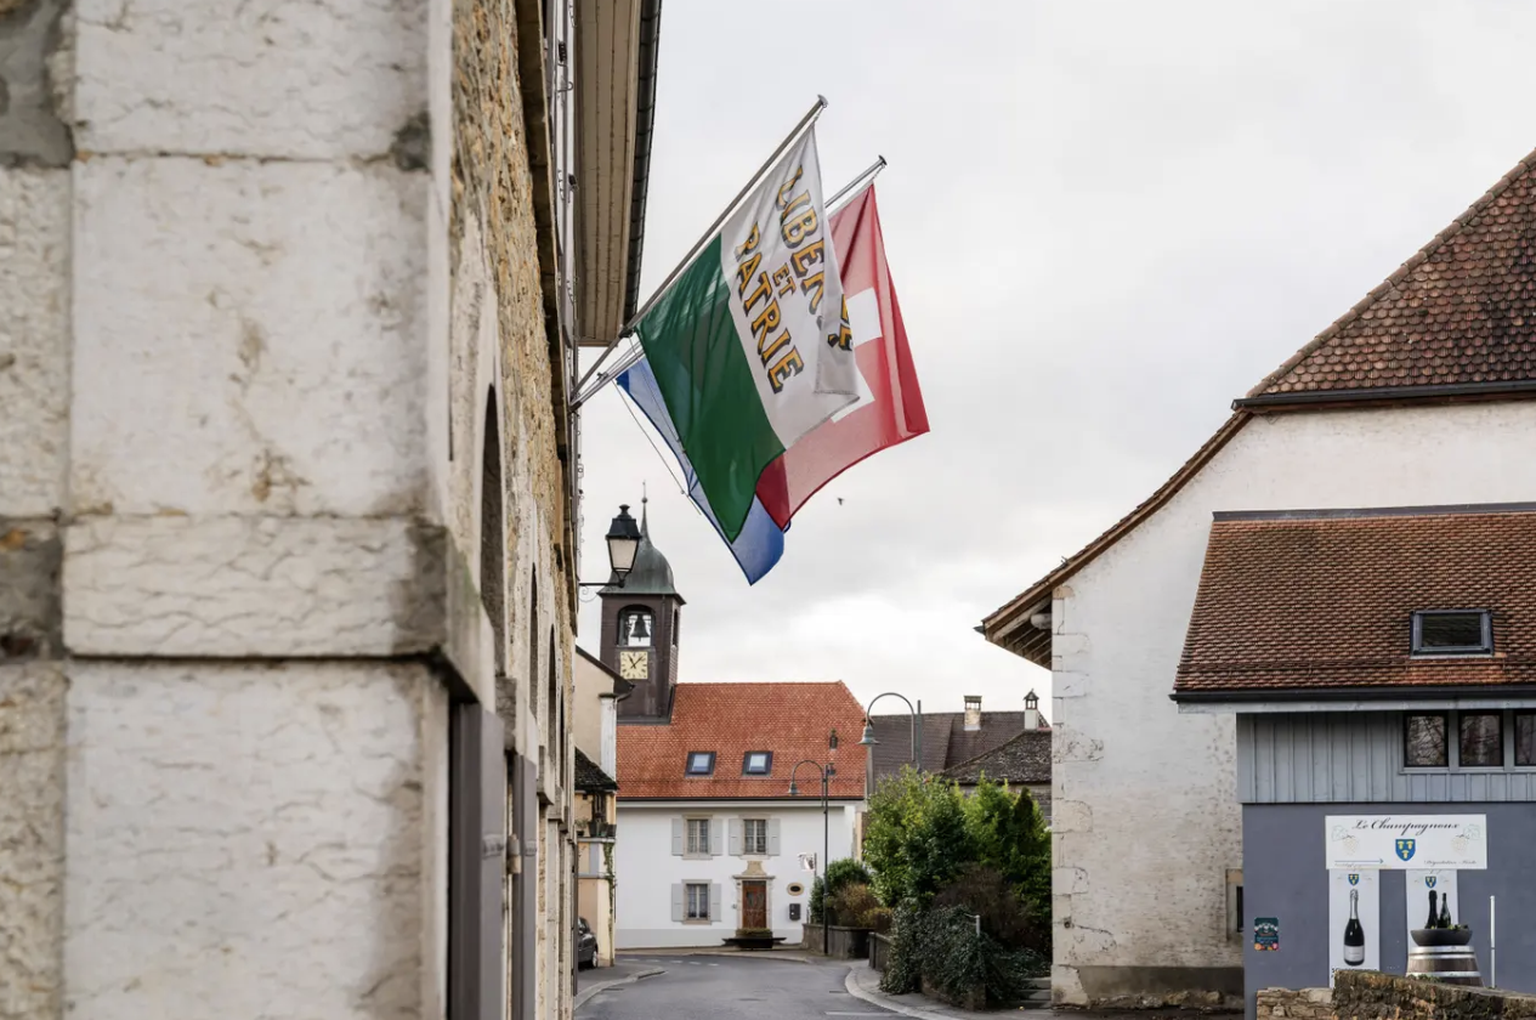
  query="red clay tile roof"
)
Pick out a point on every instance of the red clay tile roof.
point(792, 720)
point(1461, 311)
point(1307, 601)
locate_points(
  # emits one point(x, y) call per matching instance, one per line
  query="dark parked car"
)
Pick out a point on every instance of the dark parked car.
point(586, 945)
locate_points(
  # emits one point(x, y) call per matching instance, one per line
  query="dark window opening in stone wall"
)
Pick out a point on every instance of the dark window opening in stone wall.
point(493, 581)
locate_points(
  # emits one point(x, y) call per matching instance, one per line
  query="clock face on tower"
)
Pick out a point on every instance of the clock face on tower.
point(632, 665)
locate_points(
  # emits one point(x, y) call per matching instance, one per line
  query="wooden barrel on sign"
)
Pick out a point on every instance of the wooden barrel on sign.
point(1444, 954)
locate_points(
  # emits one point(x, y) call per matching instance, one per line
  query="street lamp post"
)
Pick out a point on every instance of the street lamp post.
point(623, 541)
point(826, 772)
point(869, 740)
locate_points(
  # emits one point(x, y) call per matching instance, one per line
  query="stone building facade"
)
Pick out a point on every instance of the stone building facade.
point(289, 499)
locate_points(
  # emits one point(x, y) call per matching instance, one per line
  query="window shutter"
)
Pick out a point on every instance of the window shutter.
point(677, 901)
point(677, 837)
point(735, 824)
point(773, 837)
point(716, 837)
point(714, 901)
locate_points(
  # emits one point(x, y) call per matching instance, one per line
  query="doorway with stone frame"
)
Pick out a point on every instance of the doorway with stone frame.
point(752, 907)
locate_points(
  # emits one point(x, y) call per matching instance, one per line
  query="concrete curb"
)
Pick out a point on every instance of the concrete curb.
point(886, 1002)
point(783, 956)
point(587, 993)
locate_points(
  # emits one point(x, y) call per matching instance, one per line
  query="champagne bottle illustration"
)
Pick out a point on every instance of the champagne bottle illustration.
point(1354, 935)
point(1434, 915)
point(1445, 911)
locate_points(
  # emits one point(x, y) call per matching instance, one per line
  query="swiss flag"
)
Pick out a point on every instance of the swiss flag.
point(890, 407)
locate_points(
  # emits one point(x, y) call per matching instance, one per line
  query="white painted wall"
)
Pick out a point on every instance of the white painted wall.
point(1145, 814)
point(646, 869)
point(588, 706)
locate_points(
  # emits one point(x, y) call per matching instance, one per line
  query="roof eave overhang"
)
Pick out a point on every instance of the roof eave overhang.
point(1379, 697)
point(1378, 396)
point(617, 46)
point(1003, 627)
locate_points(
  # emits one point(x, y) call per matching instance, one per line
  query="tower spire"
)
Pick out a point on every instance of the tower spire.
point(645, 528)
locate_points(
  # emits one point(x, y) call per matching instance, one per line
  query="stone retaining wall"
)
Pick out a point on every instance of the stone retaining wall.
point(1294, 1004)
point(1367, 995)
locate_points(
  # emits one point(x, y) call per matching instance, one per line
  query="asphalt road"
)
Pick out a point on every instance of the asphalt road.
point(723, 988)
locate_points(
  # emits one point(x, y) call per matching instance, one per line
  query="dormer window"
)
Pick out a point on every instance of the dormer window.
point(756, 763)
point(1452, 632)
point(701, 763)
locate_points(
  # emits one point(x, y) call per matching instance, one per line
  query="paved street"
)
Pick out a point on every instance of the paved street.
point(727, 988)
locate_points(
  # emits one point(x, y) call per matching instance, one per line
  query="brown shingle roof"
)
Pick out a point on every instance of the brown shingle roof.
point(590, 775)
point(792, 720)
point(1024, 759)
point(946, 741)
point(1462, 311)
point(1308, 601)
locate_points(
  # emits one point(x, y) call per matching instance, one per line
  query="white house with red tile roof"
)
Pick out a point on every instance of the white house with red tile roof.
point(1416, 404)
point(714, 840)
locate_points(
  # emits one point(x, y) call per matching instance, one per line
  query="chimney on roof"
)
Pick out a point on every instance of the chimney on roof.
point(1031, 711)
point(972, 712)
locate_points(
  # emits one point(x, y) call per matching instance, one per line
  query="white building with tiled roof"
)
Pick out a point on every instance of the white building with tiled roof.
point(720, 809)
point(1417, 398)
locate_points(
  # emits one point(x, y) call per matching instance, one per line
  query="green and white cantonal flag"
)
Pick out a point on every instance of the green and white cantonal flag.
point(751, 347)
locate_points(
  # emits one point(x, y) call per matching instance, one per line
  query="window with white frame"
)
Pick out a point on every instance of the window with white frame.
point(696, 901)
point(754, 835)
point(698, 836)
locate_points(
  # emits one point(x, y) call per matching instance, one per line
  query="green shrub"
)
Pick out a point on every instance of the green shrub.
point(942, 946)
point(839, 873)
point(915, 836)
point(1005, 916)
point(904, 967)
point(854, 906)
point(922, 834)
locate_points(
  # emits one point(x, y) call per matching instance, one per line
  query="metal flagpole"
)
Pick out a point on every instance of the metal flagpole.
point(805, 125)
point(869, 174)
point(630, 357)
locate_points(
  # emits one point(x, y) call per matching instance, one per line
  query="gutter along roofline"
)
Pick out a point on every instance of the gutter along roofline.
point(645, 123)
point(1375, 692)
point(1440, 393)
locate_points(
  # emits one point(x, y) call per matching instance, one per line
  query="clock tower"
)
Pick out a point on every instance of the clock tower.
point(640, 625)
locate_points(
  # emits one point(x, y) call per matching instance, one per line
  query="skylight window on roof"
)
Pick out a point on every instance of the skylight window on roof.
point(756, 763)
point(701, 763)
point(1452, 632)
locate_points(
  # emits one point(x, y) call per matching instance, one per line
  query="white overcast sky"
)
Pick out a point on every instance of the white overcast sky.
point(1104, 222)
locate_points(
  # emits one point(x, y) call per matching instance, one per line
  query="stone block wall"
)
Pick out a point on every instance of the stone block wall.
point(1294, 1004)
point(249, 333)
point(1367, 995)
point(506, 344)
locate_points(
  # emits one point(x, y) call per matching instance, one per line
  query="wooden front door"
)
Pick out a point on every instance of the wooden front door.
point(754, 904)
